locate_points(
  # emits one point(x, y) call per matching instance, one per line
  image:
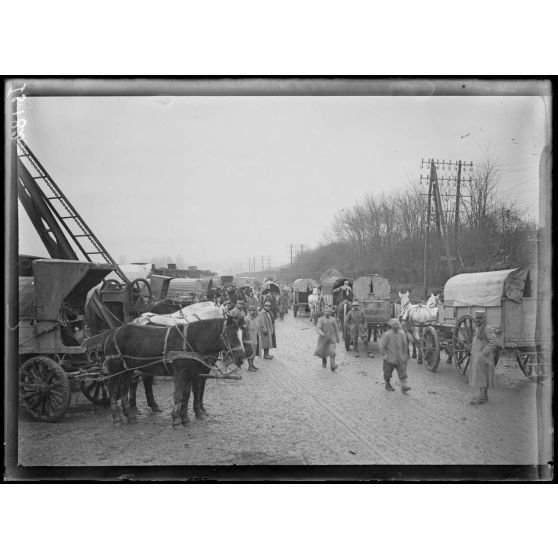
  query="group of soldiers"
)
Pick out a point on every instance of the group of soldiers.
point(256, 314)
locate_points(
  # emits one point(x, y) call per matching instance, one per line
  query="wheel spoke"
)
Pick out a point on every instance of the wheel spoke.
point(462, 358)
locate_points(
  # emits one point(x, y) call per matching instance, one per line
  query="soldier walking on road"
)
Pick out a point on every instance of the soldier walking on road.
point(482, 358)
point(267, 329)
point(328, 336)
point(394, 349)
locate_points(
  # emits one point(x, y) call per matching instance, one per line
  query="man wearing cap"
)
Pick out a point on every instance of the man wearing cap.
point(267, 330)
point(272, 304)
point(251, 338)
point(482, 358)
point(355, 321)
point(395, 350)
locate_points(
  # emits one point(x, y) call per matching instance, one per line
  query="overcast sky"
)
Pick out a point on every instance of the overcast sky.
point(219, 179)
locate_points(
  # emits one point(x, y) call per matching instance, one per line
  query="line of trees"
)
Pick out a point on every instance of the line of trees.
point(385, 234)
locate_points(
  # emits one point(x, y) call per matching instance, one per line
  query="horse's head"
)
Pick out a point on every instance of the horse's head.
point(231, 339)
point(404, 298)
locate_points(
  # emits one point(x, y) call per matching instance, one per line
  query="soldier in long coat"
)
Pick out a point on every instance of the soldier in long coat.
point(267, 330)
point(328, 336)
point(251, 338)
point(482, 358)
point(355, 321)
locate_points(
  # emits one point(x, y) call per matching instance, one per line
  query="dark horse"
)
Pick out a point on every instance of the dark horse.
point(167, 306)
point(134, 345)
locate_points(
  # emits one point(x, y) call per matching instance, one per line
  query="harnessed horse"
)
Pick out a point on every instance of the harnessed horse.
point(414, 317)
point(184, 350)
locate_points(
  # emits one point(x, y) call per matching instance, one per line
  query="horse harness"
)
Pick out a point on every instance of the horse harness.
point(168, 357)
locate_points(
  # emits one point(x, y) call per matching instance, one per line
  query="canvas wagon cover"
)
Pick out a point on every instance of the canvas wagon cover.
point(486, 288)
point(381, 288)
point(329, 274)
point(57, 280)
point(304, 285)
point(26, 297)
point(271, 286)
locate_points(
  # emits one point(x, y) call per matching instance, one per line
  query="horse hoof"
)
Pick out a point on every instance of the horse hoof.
point(156, 409)
point(132, 420)
point(200, 416)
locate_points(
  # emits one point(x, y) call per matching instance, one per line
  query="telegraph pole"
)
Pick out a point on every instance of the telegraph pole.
point(457, 194)
point(426, 234)
point(439, 211)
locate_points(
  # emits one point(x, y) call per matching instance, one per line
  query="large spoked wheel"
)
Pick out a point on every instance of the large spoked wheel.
point(142, 297)
point(532, 362)
point(44, 389)
point(430, 348)
point(96, 391)
point(461, 343)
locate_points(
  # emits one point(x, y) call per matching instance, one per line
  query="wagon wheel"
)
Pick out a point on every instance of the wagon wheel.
point(430, 348)
point(531, 362)
point(142, 297)
point(461, 343)
point(44, 389)
point(96, 391)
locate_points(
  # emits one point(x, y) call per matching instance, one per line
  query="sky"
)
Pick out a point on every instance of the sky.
point(221, 179)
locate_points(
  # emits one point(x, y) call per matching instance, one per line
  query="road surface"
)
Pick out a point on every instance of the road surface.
point(294, 412)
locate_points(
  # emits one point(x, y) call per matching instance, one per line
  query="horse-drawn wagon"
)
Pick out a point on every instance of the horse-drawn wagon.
point(302, 289)
point(52, 329)
point(509, 299)
point(373, 293)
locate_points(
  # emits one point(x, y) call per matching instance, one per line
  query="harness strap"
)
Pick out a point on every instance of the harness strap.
point(167, 371)
point(119, 352)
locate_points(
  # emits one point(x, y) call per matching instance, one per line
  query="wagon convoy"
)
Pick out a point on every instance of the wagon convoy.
point(86, 325)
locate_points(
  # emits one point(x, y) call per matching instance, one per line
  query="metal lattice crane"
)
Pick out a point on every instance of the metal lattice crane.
point(52, 213)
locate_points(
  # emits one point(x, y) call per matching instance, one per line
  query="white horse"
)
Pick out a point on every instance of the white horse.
point(414, 317)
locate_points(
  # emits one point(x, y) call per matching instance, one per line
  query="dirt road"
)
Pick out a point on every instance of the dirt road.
point(293, 412)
